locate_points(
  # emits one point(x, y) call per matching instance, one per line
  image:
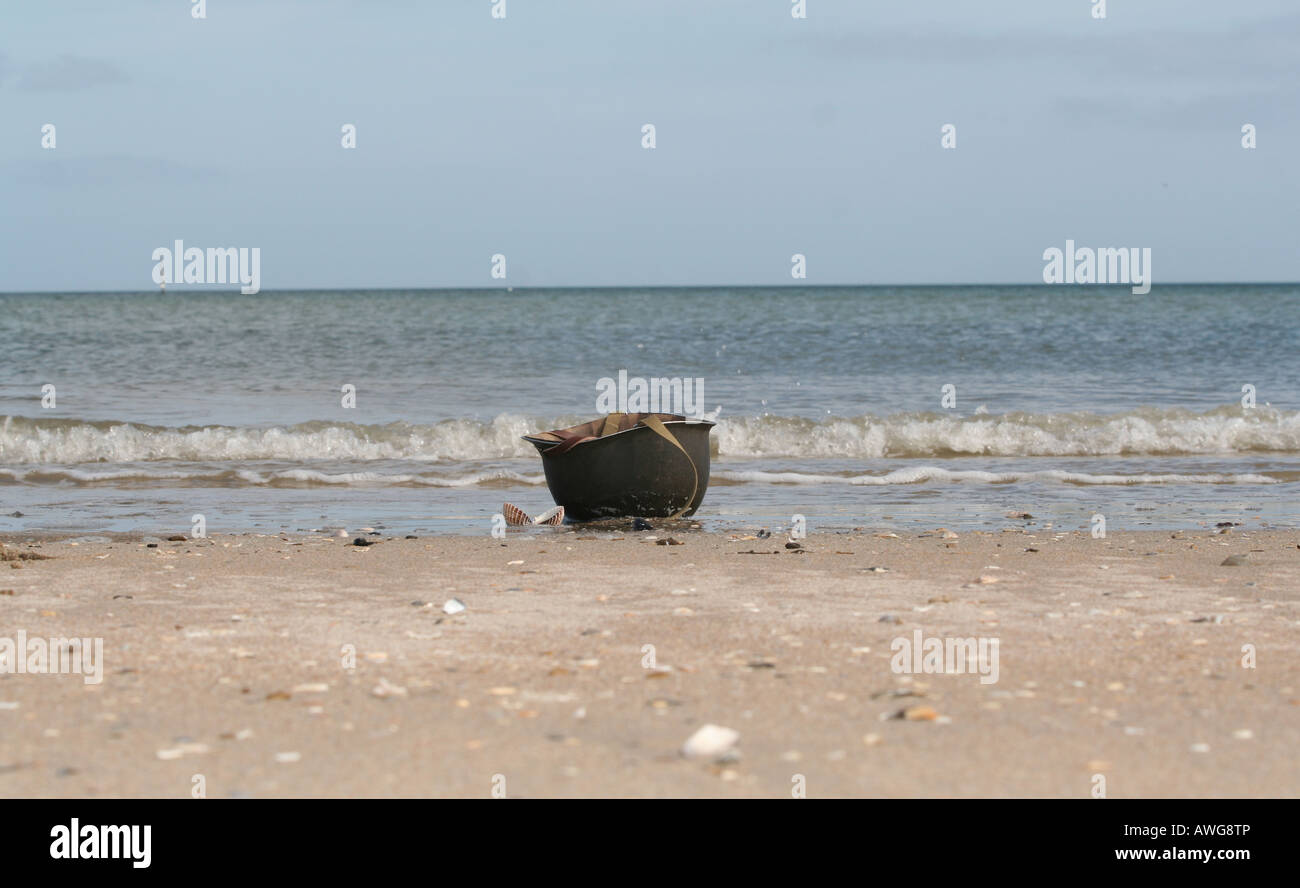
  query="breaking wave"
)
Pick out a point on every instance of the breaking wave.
point(67, 441)
point(201, 477)
point(928, 474)
point(1144, 431)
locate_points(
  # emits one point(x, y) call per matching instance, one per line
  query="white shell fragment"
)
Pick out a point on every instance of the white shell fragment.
point(710, 741)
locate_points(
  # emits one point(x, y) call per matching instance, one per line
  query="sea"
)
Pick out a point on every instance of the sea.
point(852, 407)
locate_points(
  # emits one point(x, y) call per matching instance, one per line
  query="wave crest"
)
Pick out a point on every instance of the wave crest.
point(1144, 431)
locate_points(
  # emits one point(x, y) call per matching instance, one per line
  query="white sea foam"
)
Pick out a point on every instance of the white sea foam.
point(1144, 431)
point(280, 478)
point(930, 474)
point(69, 441)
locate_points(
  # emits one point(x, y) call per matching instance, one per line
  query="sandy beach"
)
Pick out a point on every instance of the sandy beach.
point(228, 658)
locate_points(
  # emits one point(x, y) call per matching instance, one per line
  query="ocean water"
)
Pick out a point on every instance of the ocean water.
point(1065, 402)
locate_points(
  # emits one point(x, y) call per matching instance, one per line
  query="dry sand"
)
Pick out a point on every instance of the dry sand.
point(225, 657)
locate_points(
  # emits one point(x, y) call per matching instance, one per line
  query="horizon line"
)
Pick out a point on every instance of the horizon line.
point(200, 288)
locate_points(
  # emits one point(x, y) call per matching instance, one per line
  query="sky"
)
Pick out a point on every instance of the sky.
point(522, 136)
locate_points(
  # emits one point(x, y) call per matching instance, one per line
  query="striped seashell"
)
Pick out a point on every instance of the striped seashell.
point(553, 517)
point(515, 516)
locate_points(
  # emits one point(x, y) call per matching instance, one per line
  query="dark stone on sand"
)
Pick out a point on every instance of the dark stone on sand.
point(15, 514)
point(23, 556)
point(793, 545)
point(411, 536)
point(897, 692)
point(151, 545)
point(763, 534)
point(362, 541)
point(176, 538)
point(671, 541)
point(641, 524)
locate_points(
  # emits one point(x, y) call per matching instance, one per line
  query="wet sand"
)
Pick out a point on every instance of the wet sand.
point(227, 658)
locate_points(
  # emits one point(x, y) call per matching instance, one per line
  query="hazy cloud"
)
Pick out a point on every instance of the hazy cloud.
point(1221, 113)
point(1264, 48)
point(775, 135)
point(115, 169)
point(70, 72)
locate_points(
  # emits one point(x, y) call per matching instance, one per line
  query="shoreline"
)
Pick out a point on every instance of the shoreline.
point(709, 525)
point(224, 658)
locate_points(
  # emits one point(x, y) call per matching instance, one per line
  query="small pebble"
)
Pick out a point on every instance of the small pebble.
point(386, 688)
point(916, 713)
point(710, 741)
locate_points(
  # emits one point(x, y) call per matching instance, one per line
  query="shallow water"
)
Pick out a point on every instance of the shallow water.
point(1069, 402)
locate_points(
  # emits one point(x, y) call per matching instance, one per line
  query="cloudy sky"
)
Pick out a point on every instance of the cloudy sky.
point(522, 136)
